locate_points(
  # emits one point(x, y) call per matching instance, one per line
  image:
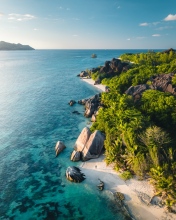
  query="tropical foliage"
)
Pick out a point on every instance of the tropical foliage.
point(140, 137)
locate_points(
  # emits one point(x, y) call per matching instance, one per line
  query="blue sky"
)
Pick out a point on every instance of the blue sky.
point(92, 24)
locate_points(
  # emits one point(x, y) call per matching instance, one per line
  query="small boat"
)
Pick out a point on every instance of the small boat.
point(94, 55)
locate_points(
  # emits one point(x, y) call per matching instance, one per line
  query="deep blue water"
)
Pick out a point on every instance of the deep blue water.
point(35, 88)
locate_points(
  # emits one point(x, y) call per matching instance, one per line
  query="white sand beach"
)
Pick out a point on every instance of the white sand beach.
point(132, 189)
point(91, 81)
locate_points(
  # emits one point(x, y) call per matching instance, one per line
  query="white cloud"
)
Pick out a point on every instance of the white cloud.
point(20, 17)
point(149, 24)
point(35, 29)
point(156, 35)
point(75, 35)
point(144, 24)
point(1, 14)
point(128, 39)
point(170, 17)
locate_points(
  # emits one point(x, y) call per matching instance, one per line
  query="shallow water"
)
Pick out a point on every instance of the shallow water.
point(35, 88)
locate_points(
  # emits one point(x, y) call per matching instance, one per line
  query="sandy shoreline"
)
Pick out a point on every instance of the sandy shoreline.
point(132, 189)
point(91, 82)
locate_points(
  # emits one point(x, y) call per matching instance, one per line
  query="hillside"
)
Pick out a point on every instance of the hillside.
point(10, 46)
point(138, 117)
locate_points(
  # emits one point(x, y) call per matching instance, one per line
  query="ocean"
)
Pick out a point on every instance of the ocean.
point(35, 88)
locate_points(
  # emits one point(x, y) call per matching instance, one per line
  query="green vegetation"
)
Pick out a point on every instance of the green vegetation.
point(126, 175)
point(140, 136)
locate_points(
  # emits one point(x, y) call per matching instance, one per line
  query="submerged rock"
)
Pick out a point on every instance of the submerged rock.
point(119, 196)
point(59, 147)
point(74, 174)
point(72, 102)
point(76, 112)
point(100, 185)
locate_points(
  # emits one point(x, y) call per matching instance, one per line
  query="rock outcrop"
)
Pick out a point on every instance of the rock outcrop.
point(161, 82)
point(83, 74)
point(82, 139)
point(91, 105)
point(100, 186)
point(88, 146)
point(59, 147)
point(80, 144)
point(76, 156)
point(74, 174)
point(93, 146)
point(169, 50)
point(136, 91)
point(72, 102)
point(111, 68)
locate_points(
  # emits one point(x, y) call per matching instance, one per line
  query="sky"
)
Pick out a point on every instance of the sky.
point(89, 24)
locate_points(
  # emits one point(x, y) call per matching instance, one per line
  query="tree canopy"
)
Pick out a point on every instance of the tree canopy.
point(140, 135)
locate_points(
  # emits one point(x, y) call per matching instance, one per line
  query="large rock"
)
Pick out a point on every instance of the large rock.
point(105, 68)
point(92, 105)
point(82, 101)
point(94, 70)
point(88, 145)
point(169, 50)
point(74, 174)
point(82, 139)
point(76, 156)
point(59, 147)
point(93, 119)
point(136, 91)
point(163, 82)
point(94, 146)
point(83, 74)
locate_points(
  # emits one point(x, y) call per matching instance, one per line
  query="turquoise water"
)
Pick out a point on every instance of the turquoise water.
point(35, 88)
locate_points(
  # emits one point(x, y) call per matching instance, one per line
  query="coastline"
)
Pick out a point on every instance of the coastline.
point(95, 169)
point(135, 191)
point(91, 82)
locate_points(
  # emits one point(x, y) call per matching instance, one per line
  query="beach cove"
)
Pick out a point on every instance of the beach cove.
point(36, 87)
point(138, 193)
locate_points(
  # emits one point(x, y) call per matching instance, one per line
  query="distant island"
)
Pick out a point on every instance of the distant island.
point(94, 55)
point(9, 46)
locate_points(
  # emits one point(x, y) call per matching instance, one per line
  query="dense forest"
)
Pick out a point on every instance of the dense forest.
point(141, 129)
